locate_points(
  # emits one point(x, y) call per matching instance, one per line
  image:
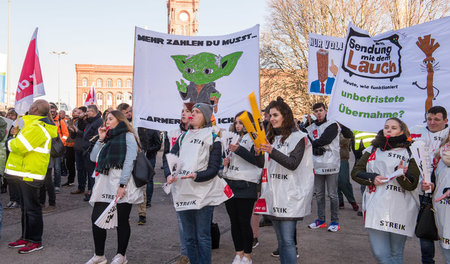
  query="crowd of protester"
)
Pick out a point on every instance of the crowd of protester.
point(299, 161)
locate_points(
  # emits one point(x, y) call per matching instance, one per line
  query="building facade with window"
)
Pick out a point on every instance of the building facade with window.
point(113, 84)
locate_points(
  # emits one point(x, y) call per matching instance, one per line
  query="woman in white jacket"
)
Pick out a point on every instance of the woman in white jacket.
point(242, 175)
point(288, 179)
point(197, 188)
point(114, 152)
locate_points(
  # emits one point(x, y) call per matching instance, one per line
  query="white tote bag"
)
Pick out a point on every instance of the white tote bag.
point(106, 186)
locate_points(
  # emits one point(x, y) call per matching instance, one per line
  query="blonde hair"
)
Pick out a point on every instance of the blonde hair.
point(438, 153)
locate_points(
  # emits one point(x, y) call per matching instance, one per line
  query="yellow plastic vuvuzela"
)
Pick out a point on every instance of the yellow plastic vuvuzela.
point(250, 129)
point(255, 131)
point(257, 117)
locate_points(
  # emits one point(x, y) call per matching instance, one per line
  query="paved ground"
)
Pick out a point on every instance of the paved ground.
point(68, 238)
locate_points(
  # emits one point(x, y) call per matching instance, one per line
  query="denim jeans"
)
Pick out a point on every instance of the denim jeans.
point(285, 231)
point(387, 247)
point(90, 167)
point(48, 187)
point(197, 234)
point(331, 182)
point(446, 253)
point(344, 185)
point(81, 170)
point(149, 188)
point(70, 164)
point(181, 233)
point(57, 172)
point(32, 223)
point(427, 250)
point(14, 194)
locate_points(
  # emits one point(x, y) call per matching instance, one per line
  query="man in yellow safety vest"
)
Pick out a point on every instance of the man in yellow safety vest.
point(27, 164)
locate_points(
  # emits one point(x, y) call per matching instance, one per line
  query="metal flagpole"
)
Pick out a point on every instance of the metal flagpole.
point(8, 63)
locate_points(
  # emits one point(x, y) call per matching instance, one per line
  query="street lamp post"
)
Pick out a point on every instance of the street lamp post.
point(59, 53)
point(8, 58)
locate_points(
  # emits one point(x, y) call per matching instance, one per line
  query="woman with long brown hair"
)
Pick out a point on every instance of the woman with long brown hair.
point(242, 175)
point(288, 178)
point(114, 152)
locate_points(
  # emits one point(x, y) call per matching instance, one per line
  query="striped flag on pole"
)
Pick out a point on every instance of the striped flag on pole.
point(91, 97)
point(31, 84)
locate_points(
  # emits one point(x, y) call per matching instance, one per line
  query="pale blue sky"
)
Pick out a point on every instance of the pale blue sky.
point(102, 32)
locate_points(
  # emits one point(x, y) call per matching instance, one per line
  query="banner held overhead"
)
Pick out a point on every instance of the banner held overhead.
point(170, 70)
point(395, 74)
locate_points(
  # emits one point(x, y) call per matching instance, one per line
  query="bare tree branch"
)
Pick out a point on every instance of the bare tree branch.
point(284, 45)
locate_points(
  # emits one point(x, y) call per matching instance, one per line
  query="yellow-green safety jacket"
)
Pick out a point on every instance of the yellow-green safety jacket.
point(366, 138)
point(30, 149)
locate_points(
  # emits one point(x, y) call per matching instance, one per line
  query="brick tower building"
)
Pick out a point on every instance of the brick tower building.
point(182, 17)
point(113, 84)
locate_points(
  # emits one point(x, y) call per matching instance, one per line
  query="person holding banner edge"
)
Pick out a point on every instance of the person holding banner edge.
point(169, 142)
point(115, 152)
point(288, 167)
point(390, 201)
point(242, 176)
point(200, 152)
point(433, 135)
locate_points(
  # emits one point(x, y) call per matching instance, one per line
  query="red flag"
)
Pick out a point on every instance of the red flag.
point(91, 97)
point(30, 84)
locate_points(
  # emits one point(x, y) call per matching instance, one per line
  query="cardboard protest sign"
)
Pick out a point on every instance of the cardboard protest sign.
point(396, 74)
point(172, 69)
point(325, 54)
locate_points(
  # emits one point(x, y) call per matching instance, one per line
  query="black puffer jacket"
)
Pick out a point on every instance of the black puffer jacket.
point(91, 130)
point(78, 136)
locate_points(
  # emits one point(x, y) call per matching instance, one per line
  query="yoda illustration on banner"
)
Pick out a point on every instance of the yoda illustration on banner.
point(201, 70)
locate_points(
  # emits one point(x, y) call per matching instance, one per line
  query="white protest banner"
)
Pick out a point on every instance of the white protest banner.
point(324, 55)
point(396, 74)
point(172, 69)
